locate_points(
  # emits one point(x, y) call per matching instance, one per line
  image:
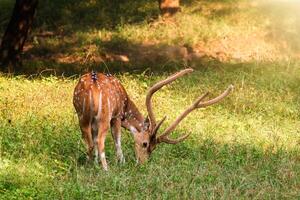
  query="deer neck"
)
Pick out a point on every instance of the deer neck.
point(133, 119)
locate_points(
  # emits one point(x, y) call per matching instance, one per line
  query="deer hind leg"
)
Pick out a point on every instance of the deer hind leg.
point(116, 133)
point(102, 132)
point(87, 136)
point(95, 139)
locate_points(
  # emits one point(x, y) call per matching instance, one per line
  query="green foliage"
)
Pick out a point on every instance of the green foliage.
point(5, 5)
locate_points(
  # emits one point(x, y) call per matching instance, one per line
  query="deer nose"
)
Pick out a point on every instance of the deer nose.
point(145, 144)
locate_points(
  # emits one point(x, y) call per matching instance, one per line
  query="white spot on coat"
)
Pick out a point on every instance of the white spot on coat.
point(132, 130)
point(99, 105)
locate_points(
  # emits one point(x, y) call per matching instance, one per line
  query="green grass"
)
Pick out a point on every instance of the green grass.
point(246, 147)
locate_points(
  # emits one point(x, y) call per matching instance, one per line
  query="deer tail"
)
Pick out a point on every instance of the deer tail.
point(94, 76)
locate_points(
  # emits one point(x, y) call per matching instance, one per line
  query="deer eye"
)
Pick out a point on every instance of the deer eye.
point(145, 144)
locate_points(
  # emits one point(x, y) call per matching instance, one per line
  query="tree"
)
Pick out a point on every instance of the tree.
point(16, 34)
point(168, 7)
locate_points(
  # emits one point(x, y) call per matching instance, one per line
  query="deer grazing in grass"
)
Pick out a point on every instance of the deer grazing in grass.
point(101, 103)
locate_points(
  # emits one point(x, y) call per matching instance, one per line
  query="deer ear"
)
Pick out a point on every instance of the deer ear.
point(146, 123)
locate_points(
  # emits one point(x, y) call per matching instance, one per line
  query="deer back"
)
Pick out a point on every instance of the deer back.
point(100, 97)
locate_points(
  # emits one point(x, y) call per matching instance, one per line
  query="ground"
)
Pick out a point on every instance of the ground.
point(246, 147)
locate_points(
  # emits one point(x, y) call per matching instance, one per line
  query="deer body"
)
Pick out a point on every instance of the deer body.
point(101, 103)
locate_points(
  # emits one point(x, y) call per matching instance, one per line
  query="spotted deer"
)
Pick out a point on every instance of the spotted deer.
point(101, 103)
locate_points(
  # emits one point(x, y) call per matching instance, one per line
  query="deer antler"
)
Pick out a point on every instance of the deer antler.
point(155, 88)
point(197, 104)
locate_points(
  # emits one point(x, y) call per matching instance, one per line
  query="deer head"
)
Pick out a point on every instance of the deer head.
point(147, 138)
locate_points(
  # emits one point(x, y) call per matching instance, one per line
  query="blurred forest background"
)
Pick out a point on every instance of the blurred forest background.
point(132, 35)
point(246, 147)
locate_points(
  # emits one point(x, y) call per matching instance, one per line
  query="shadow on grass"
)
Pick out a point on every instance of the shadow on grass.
point(55, 14)
point(117, 55)
point(70, 54)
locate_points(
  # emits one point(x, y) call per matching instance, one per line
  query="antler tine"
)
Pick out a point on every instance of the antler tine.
point(158, 125)
point(172, 141)
point(197, 104)
point(158, 86)
point(217, 99)
point(171, 128)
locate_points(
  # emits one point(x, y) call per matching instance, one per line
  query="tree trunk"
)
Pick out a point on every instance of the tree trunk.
point(16, 34)
point(168, 7)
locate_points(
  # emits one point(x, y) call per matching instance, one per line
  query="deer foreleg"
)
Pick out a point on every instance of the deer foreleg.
point(116, 133)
